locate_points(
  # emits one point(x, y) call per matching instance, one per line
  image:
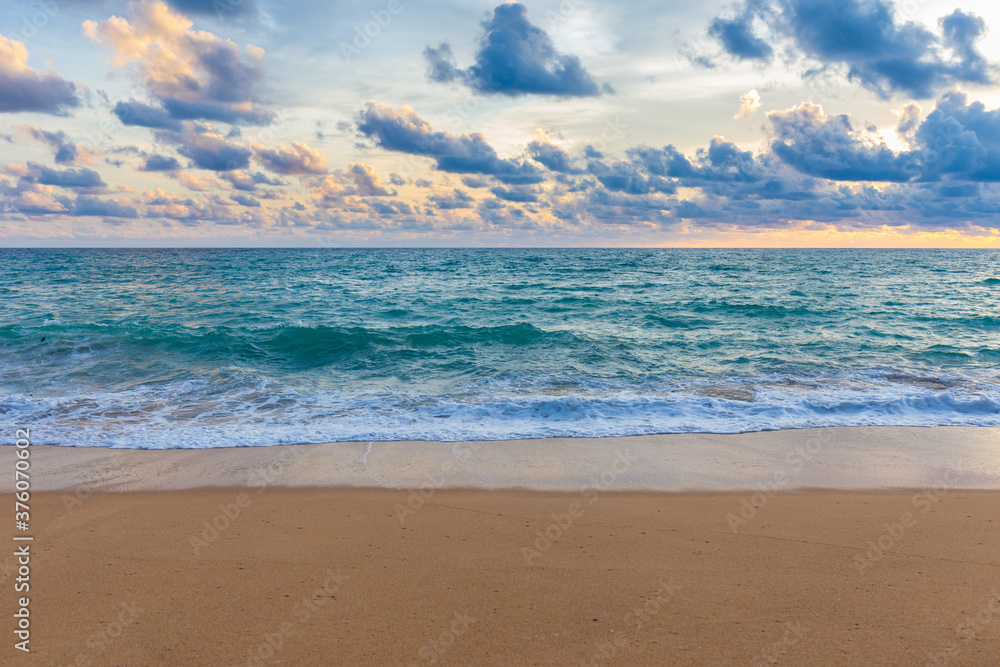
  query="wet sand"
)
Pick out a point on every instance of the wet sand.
point(830, 458)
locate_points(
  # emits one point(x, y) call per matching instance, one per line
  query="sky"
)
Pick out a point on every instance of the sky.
point(327, 123)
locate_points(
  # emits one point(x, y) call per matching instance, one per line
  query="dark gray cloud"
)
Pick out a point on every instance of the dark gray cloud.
point(550, 155)
point(456, 199)
point(241, 180)
point(390, 207)
point(519, 193)
point(404, 131)
point(475, 182)
point(261, 178)
point(737, 36)
point(221, 9)
point(217, 110)
point(66, 178)
point(206, 148)
point(175, 110)
point(245, 200)
point(865, 37)
point(161, 163)
point(107, 208)
point(629, 177)
point(957, 141)
point(145, 115)
point(830, 147)
point(722, 162)
point(24, 89)
point(514, 58)
point(64, 151)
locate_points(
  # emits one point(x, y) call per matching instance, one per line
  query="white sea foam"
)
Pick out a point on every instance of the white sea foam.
point(278, 325)
point(189, 415)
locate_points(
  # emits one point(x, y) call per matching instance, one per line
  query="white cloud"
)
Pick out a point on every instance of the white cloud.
point(749, 104)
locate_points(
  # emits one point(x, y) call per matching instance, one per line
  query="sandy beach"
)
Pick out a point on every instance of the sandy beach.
point(137, 560)
point(334, 576)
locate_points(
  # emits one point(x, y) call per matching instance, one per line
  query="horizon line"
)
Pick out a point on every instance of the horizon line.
point(392, 247)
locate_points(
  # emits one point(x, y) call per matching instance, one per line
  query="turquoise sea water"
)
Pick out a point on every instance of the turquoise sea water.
point(204, 348)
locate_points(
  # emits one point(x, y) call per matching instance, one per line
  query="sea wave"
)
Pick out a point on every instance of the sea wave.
point(167, 348)
point(205, 413)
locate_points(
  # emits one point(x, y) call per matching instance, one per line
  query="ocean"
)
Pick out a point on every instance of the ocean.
point(191, 348)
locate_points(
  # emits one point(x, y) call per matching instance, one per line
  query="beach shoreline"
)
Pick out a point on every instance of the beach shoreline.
point(860, 458)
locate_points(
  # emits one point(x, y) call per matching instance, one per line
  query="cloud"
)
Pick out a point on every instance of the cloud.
point(830, 147)
point(192, 75)
point(514, 58)
point(107, 208)
point(64, 151)
point(326, 190)
point(519, 193)
point(362, 180)
point(358, 180)
point(470, 182)
point(66, 178)
point(28, 196)
point(145, 115)
point(817, 168)
point(542, 150)
point(196, 183)
point(23, 89)
point(628, 177)
point(449, 201)
point(160, 163)
point(389, 207)
point(207, 148)
point(294, 160)
point(32, 197)
point(864, 38)
point(957, 141)
point(404, 131)
point(245, 200)
point(240, 180)
point(217, 8)
point(738, 38)
point(160, 204)
point(749, 104)
point(722, 162)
